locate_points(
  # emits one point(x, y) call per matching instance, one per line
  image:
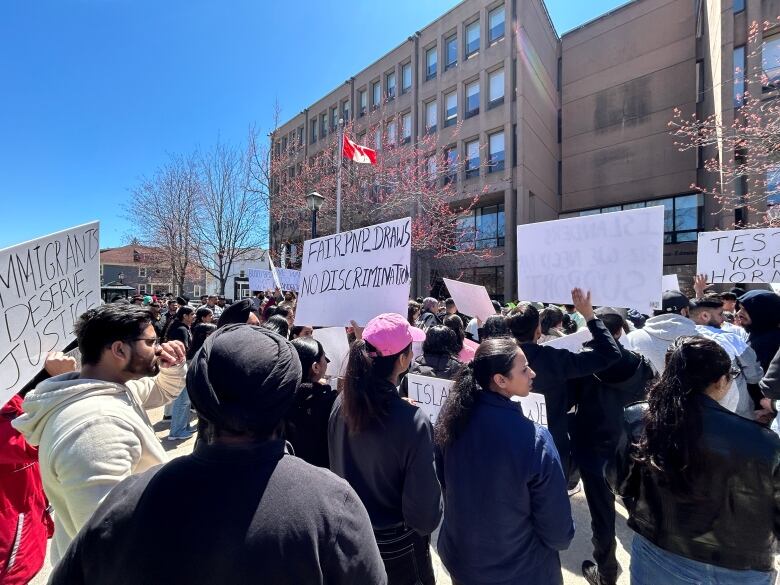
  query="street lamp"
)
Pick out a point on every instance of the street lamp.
point(314, 201)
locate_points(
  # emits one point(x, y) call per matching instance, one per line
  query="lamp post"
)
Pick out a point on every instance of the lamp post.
point(314, 201)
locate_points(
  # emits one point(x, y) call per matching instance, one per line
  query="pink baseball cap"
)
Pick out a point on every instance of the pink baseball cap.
point(390, 333)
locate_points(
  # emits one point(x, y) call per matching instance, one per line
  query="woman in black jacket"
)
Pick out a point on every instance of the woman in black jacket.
point(180, 408)
point(702, 484)
point(306, 423)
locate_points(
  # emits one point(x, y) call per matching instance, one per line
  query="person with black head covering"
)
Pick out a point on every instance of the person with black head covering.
point(760, 316)
point(240, 509)
point(240, 312)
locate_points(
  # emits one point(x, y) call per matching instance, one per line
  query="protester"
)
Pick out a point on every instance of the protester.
point(413, 312)
point(285, 311)
point(473, 326)
point(199, 334)
point(240, 312)
point(729, 302)
point(507, 514)
point(701, 484)
point(428, 312)
point(239, 509)
point(707, 313)
point(466, 347)
point(598, 425)
point(760, 316)
point(25, 522)
point(221, 302)
point(439, 358)
point(211, 303)
point(554, 367)
point(577, 317)
point(203, 315)
point(180, 330)
point(157, 321)
point(306, 424)
point(301, 331)
point(89, 426)
point(168, 318)
point(495, 326)
point(661, 330)
point(383, 447)
point(257, 301)
point(278, 324)
point(551, 320)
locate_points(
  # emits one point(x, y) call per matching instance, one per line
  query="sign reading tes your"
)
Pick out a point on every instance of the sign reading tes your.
point(737, 256)
point(45, 285)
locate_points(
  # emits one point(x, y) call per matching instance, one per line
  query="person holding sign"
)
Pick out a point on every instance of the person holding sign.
point(89, 426)
point(383, 446)
point(507, 512)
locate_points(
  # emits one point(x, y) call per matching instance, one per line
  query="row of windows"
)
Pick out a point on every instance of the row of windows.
point(472, 159)
point(483, 228)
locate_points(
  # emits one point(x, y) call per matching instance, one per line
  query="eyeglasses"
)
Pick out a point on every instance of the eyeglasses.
point(150, 341)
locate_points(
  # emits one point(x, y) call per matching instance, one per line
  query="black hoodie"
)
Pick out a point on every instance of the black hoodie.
point(763, 307)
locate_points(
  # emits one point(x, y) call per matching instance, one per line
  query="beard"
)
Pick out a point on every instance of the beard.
point(141, 367)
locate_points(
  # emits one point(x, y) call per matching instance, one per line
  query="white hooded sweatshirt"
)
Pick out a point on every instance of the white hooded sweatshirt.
point(657, 335)
point(90, 436)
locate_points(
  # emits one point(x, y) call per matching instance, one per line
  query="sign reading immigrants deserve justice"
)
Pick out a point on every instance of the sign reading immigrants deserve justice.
point(45, 285)
point(737, 256)
point(355, 275)
point(618, 256)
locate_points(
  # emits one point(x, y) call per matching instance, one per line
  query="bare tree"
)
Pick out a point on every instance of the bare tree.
point(229, 224)
point(162, 214)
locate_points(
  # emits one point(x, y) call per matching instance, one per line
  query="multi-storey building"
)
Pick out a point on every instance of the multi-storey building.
point(580, 120)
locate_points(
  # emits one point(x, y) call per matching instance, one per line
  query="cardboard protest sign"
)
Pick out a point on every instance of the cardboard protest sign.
point(471, 299)
point(671, 282)
point(45, 286)
point(534, 407)
point(571, 342)
point(288, 278)
point(428, 393)
point(336, 345)
point(355, 275)
point(260, 280)
point(617, 256)
point(737, 256)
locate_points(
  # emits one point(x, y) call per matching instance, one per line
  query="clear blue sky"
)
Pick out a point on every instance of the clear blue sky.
point(96, 93)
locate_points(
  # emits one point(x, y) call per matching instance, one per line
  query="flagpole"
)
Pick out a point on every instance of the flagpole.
point(338, 175)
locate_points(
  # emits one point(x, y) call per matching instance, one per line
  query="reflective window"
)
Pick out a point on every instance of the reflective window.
point(406, 77)
point(431, 116)
point(390, 85)
point(451, 48)
point(770, 57)
point(496, 152)
point(406, 127)
point(376, 94)
point(472, 99)
point(739, 76)
point(472, 39)
point(472, 159)
point(496, 87)
point(431, 60)
point(450, 108)
point(496, 24)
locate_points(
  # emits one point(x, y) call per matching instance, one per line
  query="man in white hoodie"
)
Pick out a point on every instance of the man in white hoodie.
point(90, 427)
point(661, 330)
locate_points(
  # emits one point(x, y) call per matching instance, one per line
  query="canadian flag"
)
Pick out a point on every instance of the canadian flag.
point(357, 153)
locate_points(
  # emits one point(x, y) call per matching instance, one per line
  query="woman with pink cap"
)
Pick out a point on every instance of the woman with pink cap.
point(383, 446)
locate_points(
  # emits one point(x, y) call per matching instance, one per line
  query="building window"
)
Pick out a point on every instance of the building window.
point(496, 152)
point(334, 118)
point(739, 76)
point(363, 101)
point(141, 272)
point(472, 39)
point(773, 186)
point(451, 160)
point(345, 110)
point(314, 130)
point(495, 88)
point(450, 109)
point(196, 290)
point(699, 81)
point(472, 99)
point(378, 138)
point(431, 60)
point(392, 133)
point(496, 24)
point(431, 116)
point(451, 52)
point(432, 168)
point(472, 159)
point(770, 57)
point(390, 85)
point(406, 77)
point(141, 289)
point(483, 228)
point(406, 127)
point(376, 94)
point(323, 125)
point(739, 6)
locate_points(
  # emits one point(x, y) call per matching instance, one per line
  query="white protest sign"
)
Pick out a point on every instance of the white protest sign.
point(534, 407)
point(289, 278)
point(274, 273)
point(45, 286)
point(336, 345)
point(671, 282)
point(428, 393)
point(737, 256)
point(775, 287)
point(571, 342)
point(355, 275)
point(617, 256)
point(471, 299)
point(260, 280)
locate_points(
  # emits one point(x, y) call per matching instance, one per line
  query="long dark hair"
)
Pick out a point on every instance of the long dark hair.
point(362, 403)
point(278, 324)
point(199, 334)
point(550, 318)
point(310, 351)
point(494, 356)
point(455, 323)
point(441, 340)
point(201, 314)
point(673, 425)
point(494, 326)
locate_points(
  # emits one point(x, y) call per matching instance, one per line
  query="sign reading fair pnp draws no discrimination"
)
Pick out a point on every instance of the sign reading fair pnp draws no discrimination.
point(737, 256)
point(45, 285)
point(355, 275)
point(617, 256)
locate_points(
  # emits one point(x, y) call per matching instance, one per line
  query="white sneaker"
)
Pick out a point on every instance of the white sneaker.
point(576, 489)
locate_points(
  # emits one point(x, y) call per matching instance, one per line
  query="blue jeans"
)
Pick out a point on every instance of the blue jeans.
point(180, 416)
point(651, 565)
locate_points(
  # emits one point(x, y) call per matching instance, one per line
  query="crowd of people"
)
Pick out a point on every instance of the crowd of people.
point(300, 474)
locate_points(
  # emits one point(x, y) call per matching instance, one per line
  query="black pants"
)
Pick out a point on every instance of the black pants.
point(407, 556)
point(601, 503)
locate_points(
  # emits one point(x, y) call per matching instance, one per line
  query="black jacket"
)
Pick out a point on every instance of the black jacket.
point(433, 365)
point(555, 367)
point(730, 517)
point(248, 514)
point(601, 399)
point(306, 423)
point(770, 383)
point(390, 465)
point(764, 309)
point(178, 331)
point(427, 320)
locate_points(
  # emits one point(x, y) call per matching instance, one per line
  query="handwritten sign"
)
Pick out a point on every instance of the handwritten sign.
point(45, 286)
point(428, 393)
point(617, 256)
point(261, 280)
point(571, 342)
point(534, 407)
point(288, 278)
point(471, 299)
point(737, 256)
point(336, 345)
point(355, 275)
